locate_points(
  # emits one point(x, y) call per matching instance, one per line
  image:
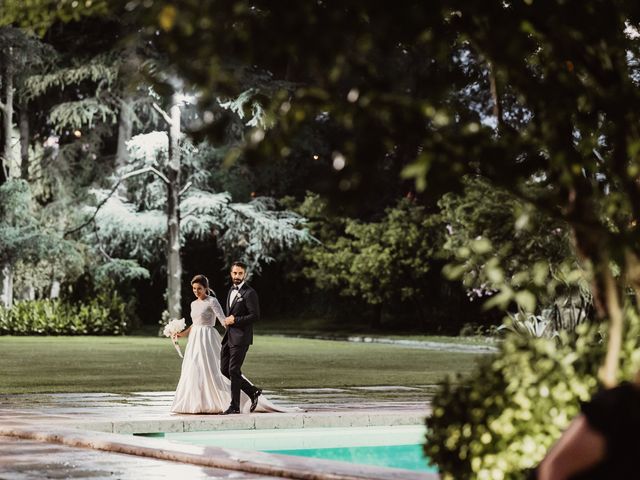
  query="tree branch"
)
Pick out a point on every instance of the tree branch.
point(185, 188)
point(100, 246)
point(495, 95)
point(117, 184)
point(162, 113)
point(609, 371)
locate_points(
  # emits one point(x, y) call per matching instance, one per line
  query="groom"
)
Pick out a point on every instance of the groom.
point(243, 309)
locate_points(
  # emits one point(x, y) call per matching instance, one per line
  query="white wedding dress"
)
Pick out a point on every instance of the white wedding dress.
point(202, 387)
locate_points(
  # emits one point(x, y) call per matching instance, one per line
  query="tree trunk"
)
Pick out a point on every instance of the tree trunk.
point(24, 140)
point(125, 131)
point(6, 285)
point(495, 95)
point(6, 269)
point(633, 273)
point(54, 291)
point(609, 371)
point(29, 293)
point(592, 247)
point(174, 265)
point(7, 116)
point(4, 171)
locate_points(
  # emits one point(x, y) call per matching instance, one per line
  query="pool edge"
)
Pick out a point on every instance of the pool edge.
point(251, 462)
point(259, 421)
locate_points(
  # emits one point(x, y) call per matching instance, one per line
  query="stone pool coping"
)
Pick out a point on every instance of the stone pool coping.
point(256, 421)
point(105, 422)
point(81, 434)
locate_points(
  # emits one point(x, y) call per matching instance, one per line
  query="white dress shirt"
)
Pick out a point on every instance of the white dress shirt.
point(234, 292)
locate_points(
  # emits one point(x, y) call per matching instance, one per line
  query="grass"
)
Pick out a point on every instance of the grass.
point(129, 364)
point(321, 327)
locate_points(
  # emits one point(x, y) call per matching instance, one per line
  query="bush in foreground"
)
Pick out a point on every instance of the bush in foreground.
point(502, 419)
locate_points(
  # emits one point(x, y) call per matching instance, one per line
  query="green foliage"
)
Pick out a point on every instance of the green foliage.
point(322, 87)
point(96, 71)
point(245, 105)
point(564, 315)
point(118, 272)
point(21, 234)
point(500, 245)
point(125, 232)
point(89, 93)
point(104, 314)
point(527, 94)
point(529, 325)
point(378, 262)
point(81, 113)
point(505, 416)
point(554, 117)
point(32, 246)
point(39, 15)
point(22, 52)
point(134, 224)
point(64, 262)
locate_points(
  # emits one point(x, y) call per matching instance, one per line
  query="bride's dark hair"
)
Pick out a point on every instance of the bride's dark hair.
point(204, 281)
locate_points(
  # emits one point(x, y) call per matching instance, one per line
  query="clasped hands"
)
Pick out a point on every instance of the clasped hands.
point(230, 320)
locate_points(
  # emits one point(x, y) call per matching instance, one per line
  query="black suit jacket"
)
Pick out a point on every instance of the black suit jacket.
point(246, 310)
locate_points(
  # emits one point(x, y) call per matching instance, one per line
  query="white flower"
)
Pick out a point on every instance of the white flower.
point(171, 329)
point(174, 327)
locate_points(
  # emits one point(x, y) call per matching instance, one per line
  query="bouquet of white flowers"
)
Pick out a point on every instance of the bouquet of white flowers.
point(171, 329)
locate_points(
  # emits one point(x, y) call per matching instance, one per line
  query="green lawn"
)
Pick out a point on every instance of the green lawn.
point(321, 327)
point(126, 364)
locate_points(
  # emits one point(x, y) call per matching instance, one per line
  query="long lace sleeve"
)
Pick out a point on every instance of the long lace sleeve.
point(217, 309)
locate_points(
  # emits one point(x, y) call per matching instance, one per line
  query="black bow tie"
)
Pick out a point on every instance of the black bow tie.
point(235, 288)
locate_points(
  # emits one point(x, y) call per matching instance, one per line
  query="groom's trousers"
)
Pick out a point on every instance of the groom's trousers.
point(231, 360)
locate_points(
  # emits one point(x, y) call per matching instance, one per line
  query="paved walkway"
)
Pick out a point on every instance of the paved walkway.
point(80, 435)
point(30, 460)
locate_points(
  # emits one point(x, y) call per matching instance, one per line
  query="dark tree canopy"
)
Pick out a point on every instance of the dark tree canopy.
point(540, 97)
point(521, 92)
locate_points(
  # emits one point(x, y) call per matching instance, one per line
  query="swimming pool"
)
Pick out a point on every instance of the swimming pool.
point(396, 447)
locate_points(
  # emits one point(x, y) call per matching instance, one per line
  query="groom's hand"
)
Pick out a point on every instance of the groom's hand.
point(230, 320)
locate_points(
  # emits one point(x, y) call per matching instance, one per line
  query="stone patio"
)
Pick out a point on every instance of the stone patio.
point(84, 433)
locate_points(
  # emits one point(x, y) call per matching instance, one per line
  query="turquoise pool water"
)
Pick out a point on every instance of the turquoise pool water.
point(396, 447)
point(396, 456)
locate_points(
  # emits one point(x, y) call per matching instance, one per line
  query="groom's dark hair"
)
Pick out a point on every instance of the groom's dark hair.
point(240, 264)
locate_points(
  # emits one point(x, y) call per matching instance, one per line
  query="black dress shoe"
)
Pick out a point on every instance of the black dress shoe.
point(230, 411)
point(254, 399)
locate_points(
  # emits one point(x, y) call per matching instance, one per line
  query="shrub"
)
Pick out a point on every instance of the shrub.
point(503, 418)
point(529, 325)
point(103, 315)
point(563, 315)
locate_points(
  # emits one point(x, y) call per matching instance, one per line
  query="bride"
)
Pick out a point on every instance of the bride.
point(202, 387)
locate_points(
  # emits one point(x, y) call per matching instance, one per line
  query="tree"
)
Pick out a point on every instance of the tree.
point(38, 15)
point(140, 225)
point(23, 238)
point(523, 93)
point(174, 189)
point(503, 247)
point(21, 54)
point(383, 263)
